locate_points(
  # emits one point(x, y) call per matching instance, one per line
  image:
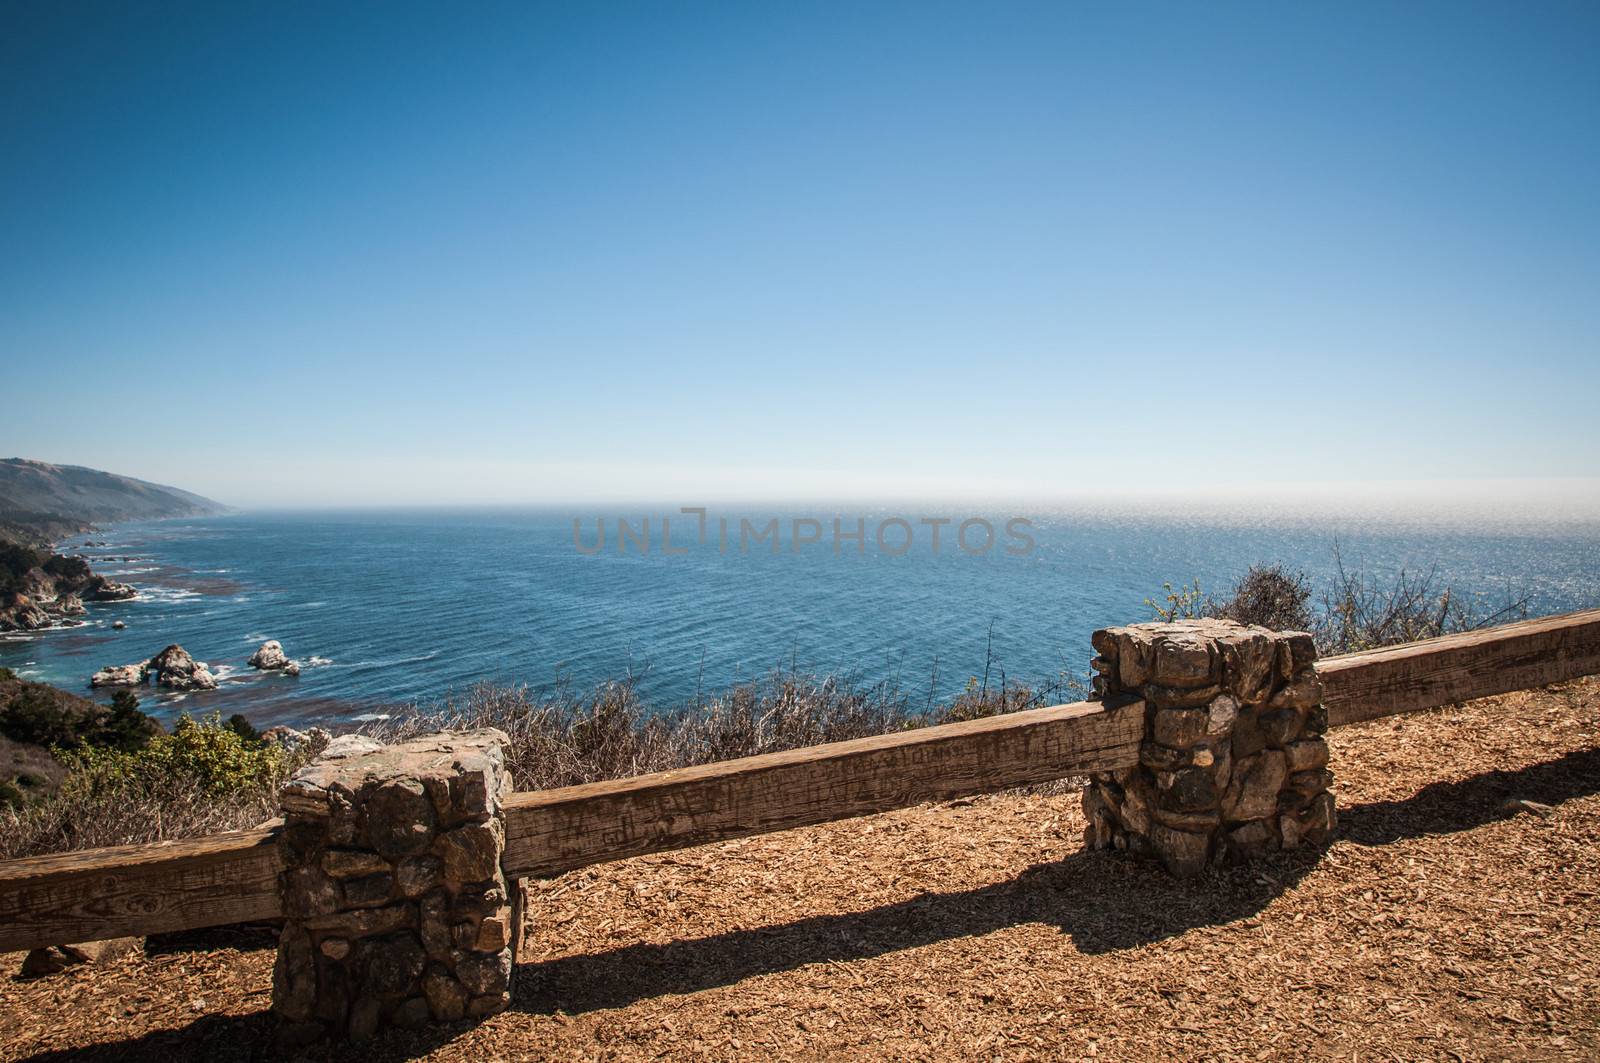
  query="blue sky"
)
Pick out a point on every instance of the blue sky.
point(285, 253)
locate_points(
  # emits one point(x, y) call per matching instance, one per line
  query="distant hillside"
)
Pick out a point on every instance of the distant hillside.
point(40, 501)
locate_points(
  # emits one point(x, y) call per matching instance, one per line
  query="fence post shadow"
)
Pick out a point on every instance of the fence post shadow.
point(1102, 901)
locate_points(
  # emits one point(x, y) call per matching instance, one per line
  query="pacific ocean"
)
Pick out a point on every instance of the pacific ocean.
point(395, 607)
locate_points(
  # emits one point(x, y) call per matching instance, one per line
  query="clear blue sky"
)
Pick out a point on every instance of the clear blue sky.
point(318, 253)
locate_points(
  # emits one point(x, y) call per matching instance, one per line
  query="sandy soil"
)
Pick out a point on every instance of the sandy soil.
point(1442, 924)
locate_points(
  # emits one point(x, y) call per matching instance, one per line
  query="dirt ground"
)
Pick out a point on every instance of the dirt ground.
point(1442, 924)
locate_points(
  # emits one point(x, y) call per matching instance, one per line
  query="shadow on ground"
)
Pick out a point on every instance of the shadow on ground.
point(1101, 901)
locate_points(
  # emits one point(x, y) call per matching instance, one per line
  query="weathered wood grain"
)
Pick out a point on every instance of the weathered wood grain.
point(1476, 664)
point(138, 889)
point(557, 830)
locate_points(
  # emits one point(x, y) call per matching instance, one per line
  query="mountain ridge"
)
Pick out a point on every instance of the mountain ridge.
point(41, 501)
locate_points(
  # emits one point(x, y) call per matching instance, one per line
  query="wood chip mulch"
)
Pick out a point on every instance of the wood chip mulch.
point(1456, 918)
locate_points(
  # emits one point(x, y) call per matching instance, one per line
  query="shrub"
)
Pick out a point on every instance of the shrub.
point(214, 758)
point(200, 779)
point(1184, 603)
point(1354, 612)
point(1269, 595)
point(239, 725)
point(44, 716)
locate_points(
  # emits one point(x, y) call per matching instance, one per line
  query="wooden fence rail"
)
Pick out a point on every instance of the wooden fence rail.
point(230, 878)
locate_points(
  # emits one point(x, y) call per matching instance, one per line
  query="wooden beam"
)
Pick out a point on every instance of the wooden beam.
point(1476, 664)
point(553, 831)
point(126, 890)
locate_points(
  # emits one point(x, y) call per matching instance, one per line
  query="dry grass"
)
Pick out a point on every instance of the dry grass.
point(1440, 925)
point(558, 738)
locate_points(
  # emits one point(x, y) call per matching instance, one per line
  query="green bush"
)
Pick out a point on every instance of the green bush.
point(44, 716)
point(206, 753)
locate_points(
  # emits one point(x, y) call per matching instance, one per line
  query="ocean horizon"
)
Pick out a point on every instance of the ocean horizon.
point(388, 608)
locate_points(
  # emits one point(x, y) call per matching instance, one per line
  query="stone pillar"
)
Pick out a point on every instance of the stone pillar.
point(1233, 762)
point(396, 910)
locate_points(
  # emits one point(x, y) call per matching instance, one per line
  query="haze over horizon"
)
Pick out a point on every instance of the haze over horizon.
point(284, 255)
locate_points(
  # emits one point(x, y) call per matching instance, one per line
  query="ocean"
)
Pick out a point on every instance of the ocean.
point(398, 607)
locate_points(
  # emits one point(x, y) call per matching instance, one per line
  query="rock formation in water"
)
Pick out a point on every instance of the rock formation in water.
point(172, 668)
point(270, 658)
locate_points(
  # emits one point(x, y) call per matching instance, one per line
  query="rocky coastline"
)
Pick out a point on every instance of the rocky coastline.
point(41, 589)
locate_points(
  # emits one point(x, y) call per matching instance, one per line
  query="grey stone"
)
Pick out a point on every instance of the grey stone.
point(391, 965)
point(446, 997)
point(1251, 839)
point(1157, 757)
point(1194, 822)
point(1189, 790)
point(1184, 853)
point(435, 925)
point(1302, 692)
point(411, 1014)
point(416, 875)
point(1316, 721)
point(1222, 713)
point(1307, 754)
point(490, 1004)
point(1179, 728)
point(1302, 651)
point(1135, 657)
point(308, 892)
point(294, 979)
point(494, 932)
point(1310, 783)
point(1247, 664)
point(365, 922)
point(364, 1016)
point(1248, 737)
point(1253, 794)
point(353, 863)
point(1182, 658)
point(369, 892)
point(1280, 726)
point(483, 972)
point(400, 818)
point(1170, 697)
point(1321, 820)
point(471, 853)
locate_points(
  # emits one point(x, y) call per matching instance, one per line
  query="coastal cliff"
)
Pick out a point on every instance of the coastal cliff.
point(41, 503)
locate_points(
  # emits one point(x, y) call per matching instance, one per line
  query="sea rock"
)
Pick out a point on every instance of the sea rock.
point(70, 605)
point(176, 670)
point(104, 590)
point(117, 625)
point(293, 741)
point(284, 737)
point(269, 656)
point(21, 613)
point(120, 675)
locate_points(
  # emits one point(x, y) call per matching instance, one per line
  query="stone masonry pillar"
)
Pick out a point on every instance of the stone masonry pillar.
point(396, 909)
point(1233, 761)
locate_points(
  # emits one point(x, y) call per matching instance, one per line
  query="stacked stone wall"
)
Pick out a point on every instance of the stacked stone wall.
point(396, 909)
point(1233, 761)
